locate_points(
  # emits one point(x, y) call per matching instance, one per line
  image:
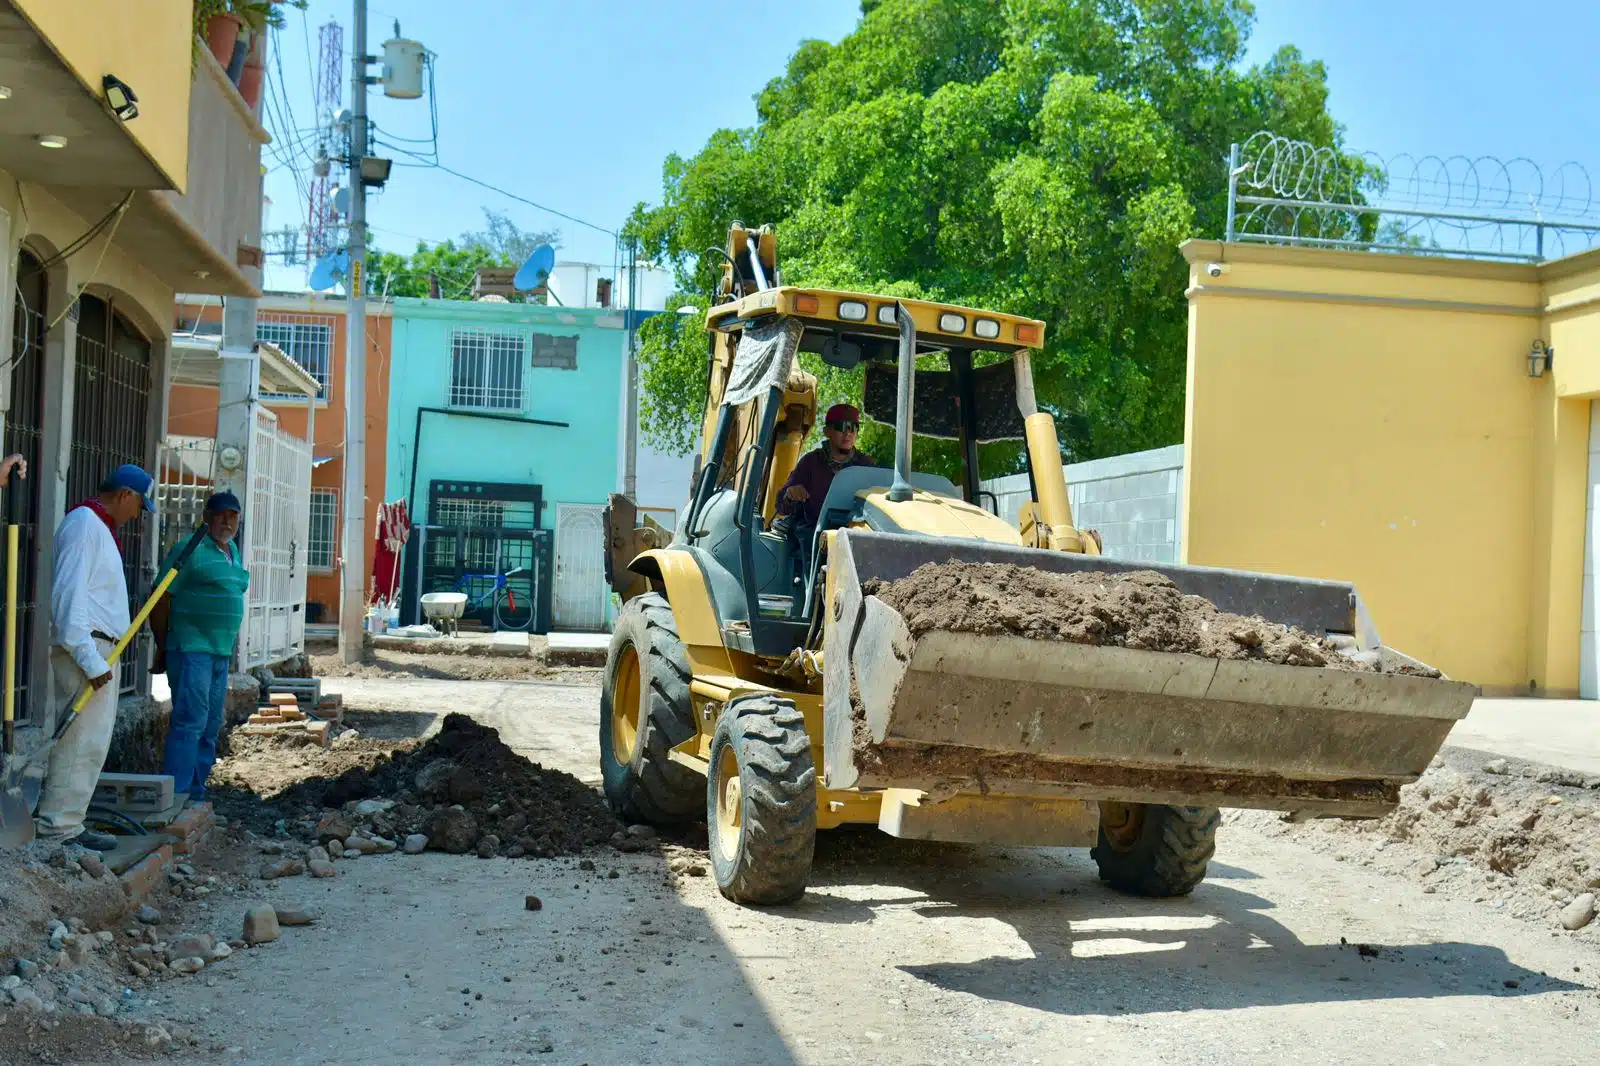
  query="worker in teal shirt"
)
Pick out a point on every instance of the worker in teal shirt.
point(196, 625)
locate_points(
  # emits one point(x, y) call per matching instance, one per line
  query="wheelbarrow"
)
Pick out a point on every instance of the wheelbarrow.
point(443, 610)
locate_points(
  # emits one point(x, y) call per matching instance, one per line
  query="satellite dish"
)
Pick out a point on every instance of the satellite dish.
point(535, 270)
point(341, 200)
point(324, 273)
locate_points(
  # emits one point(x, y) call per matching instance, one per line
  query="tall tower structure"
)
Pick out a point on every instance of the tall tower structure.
point(322, 221)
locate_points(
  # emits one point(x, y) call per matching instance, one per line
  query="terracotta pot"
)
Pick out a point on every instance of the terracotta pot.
point(255, 68)
point(222, 32)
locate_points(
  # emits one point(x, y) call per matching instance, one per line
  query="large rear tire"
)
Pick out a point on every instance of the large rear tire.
point(1156, 851)
point(761, 801)
point(645, 709)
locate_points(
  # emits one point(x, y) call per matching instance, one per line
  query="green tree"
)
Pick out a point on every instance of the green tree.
point(1040, 157)
point(501, 243)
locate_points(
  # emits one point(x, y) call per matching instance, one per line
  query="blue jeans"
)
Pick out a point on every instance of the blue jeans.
point(199, 683)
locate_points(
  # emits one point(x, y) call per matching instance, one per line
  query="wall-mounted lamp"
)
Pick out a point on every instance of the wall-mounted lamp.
point(1541, 357)
point(123, 100)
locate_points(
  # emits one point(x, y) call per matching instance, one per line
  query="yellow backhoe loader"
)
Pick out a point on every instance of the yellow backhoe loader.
point(745, 661)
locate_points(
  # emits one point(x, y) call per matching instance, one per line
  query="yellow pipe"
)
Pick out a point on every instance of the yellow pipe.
point(1049, 477)
point(11, 626)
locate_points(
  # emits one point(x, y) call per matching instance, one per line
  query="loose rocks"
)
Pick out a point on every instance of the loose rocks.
point(335, 849)
point(321, 868)
point(1578, 913)
point(332, 827)
point(187, 965)
point(198, 945)
point(416, 844)
point(284, 868)
point(488, 845)
point(148, 914)
point(260, 924)
point(295, 915)
point(451, 829)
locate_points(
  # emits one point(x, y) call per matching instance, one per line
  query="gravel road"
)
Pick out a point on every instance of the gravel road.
point(899, 954)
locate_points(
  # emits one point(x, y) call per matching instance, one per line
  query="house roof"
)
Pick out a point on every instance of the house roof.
point(197, 360)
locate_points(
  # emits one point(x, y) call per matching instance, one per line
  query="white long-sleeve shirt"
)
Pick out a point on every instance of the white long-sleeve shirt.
point(89, 592)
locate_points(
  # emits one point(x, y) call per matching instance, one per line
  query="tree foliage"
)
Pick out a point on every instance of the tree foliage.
point(1040, 157)
point(501, 243)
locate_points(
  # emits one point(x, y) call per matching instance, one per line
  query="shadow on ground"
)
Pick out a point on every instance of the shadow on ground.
point(1098, 952)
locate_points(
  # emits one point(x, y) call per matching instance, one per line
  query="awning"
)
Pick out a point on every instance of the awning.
point(197, 360)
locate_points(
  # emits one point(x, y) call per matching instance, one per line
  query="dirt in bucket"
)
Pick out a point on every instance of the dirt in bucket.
point(1142, 610)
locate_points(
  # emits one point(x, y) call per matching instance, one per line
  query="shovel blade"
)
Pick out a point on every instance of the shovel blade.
point(16, 818)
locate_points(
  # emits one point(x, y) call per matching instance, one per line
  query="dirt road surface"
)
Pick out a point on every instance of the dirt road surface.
point(898, 954)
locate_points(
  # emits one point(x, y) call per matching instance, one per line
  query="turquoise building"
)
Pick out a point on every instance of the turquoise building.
point(505, 437)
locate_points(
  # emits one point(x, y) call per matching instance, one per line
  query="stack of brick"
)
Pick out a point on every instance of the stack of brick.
point(283, 715)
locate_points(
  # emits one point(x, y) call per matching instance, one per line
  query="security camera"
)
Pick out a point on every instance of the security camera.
point(1216, 270)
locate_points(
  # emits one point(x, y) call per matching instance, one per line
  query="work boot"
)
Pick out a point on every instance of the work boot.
point(89, 838)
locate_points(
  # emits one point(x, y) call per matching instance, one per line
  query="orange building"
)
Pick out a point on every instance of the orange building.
point(310, 328)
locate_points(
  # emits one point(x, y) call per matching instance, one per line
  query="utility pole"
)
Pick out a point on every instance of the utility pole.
point(353, 593)
point(630, 435)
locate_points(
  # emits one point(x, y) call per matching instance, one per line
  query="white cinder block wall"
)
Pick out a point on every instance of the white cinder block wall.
point(1132, 500)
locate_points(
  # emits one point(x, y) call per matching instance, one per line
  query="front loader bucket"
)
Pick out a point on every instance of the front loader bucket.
point(961, 712)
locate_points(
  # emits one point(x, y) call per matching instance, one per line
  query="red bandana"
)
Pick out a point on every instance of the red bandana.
point(105, 516)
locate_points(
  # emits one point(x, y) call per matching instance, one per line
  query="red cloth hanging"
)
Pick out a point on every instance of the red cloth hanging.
point(393, 530)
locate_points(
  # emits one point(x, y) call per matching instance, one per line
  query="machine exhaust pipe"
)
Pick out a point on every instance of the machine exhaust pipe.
point(901, 490)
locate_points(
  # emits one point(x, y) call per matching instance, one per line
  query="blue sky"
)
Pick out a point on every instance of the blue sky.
point(575, 106)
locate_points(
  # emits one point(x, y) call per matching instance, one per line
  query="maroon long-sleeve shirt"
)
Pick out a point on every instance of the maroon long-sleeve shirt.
point(816, 474)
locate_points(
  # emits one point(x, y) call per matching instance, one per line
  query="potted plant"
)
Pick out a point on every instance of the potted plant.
point(258, 15)
point(216, 23)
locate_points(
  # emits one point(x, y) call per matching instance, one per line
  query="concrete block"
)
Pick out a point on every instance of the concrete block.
point(134, 793)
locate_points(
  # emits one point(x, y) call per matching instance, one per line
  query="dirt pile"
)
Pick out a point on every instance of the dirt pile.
point(1142, 610)
point(76, 960)
point(1520, 838)
point(508, 805)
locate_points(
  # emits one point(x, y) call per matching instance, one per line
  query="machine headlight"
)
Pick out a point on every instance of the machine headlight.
point(987, 328)
point(886, 314)
point(953, 323)
point(854, 310)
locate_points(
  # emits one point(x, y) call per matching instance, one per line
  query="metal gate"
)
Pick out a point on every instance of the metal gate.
point(580, 567)
point(276, 525)
point(111, 426)
point(23, 435)
point(466, 558)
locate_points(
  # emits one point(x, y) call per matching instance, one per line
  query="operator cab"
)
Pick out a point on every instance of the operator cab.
point(761, 407)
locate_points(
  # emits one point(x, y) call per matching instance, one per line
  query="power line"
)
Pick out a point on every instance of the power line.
point(503, 192)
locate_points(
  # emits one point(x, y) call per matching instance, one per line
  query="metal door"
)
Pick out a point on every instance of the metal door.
point(580, 592)
point(111, 426)
point(23, 434)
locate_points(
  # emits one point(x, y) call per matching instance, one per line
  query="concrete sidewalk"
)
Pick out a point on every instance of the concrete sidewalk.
point(1564, 733)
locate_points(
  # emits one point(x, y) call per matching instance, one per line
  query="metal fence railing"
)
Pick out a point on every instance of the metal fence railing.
point(1283, 191)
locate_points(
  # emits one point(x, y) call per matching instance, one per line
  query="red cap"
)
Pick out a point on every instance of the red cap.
point(843, 412)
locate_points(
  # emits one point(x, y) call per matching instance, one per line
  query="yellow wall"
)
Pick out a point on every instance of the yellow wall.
point(1370, 418)
point(148, 44)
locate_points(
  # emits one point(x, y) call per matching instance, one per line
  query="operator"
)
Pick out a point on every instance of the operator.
point(800, 502)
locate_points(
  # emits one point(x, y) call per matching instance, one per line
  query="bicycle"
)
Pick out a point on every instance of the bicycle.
point(508, 611)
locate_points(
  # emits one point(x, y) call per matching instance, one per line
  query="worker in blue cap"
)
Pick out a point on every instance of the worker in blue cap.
point(88, 614)
point(196, 625)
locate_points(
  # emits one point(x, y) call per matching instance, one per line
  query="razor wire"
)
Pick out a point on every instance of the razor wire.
point(1283, 191)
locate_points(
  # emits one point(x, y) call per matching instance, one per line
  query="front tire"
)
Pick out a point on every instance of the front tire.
point(761, 801)
point(645, 709)
point(1147, 849)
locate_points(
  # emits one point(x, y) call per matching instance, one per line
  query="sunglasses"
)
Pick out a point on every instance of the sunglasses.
point(844, 427)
